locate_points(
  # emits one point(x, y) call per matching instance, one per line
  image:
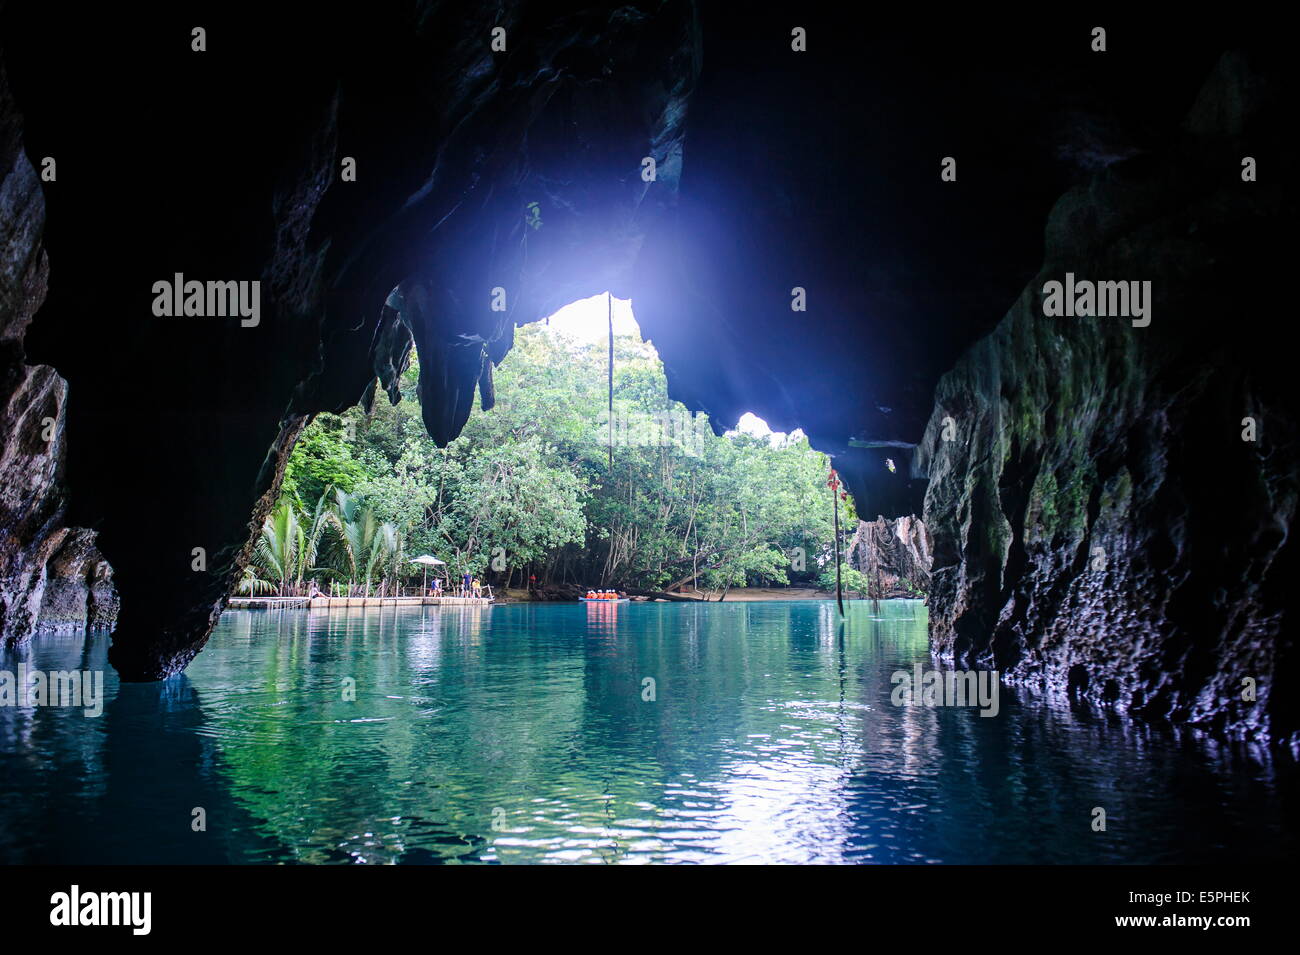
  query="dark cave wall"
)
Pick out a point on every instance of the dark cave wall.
point(563, 120)
point(1100, 527)
point(79, 589)
point(822, 170)
point(41, 580)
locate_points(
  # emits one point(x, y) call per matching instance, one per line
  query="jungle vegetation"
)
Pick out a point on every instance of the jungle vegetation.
point(528, 490)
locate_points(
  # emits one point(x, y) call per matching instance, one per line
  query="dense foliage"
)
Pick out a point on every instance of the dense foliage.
point(528, 488)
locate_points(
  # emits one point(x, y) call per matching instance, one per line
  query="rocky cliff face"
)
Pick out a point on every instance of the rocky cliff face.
point(894, 554)
point(1101, 528)
point(79, 590)
point(37, 585)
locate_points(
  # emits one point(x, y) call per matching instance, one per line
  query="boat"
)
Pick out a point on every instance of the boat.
point(603, 600)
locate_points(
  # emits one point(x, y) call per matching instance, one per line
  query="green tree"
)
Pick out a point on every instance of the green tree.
point(323, 458)
point(530, 482)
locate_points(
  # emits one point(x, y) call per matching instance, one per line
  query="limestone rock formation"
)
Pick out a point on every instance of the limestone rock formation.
point(1101, 528)
point(79, 589)
point(32, 403)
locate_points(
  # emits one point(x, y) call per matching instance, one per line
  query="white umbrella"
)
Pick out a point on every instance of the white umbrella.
point(427, 560)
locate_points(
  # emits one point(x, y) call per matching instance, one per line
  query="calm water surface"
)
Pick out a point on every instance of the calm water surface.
point(520, 734)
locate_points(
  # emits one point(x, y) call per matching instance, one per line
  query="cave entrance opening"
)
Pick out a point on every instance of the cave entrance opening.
point(574, 478)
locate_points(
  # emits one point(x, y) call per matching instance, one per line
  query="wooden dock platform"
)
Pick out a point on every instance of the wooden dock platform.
point(339, 603)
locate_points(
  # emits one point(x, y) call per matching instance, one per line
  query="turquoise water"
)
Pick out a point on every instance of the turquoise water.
point(520, 733)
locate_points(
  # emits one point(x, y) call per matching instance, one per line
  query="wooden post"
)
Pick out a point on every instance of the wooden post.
point(609, 296)
point(839, 585)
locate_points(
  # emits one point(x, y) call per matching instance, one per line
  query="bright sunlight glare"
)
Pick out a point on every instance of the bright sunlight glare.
point(587, 319)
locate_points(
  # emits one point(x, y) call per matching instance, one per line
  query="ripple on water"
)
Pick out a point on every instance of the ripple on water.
point(520, 734)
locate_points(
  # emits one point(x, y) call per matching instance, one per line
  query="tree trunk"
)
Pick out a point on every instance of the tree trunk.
point(661, 595)
point(689, 578)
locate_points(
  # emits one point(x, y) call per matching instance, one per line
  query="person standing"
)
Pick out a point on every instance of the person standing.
point(465, 578)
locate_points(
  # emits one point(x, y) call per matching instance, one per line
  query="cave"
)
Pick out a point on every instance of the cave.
point(876, 234)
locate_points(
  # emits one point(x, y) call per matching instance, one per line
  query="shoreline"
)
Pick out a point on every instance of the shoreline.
point(736, 594)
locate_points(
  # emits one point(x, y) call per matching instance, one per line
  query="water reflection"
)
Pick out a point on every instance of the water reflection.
point(525, 733)
point(123, 786)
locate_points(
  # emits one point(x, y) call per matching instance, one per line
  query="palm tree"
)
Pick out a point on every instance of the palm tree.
point(356, 526)
point(290, 543)
point(320, 523)
point(364, 543)
point(392, 546)
point(251, 585)
point(281, 545)
point(380, 544)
